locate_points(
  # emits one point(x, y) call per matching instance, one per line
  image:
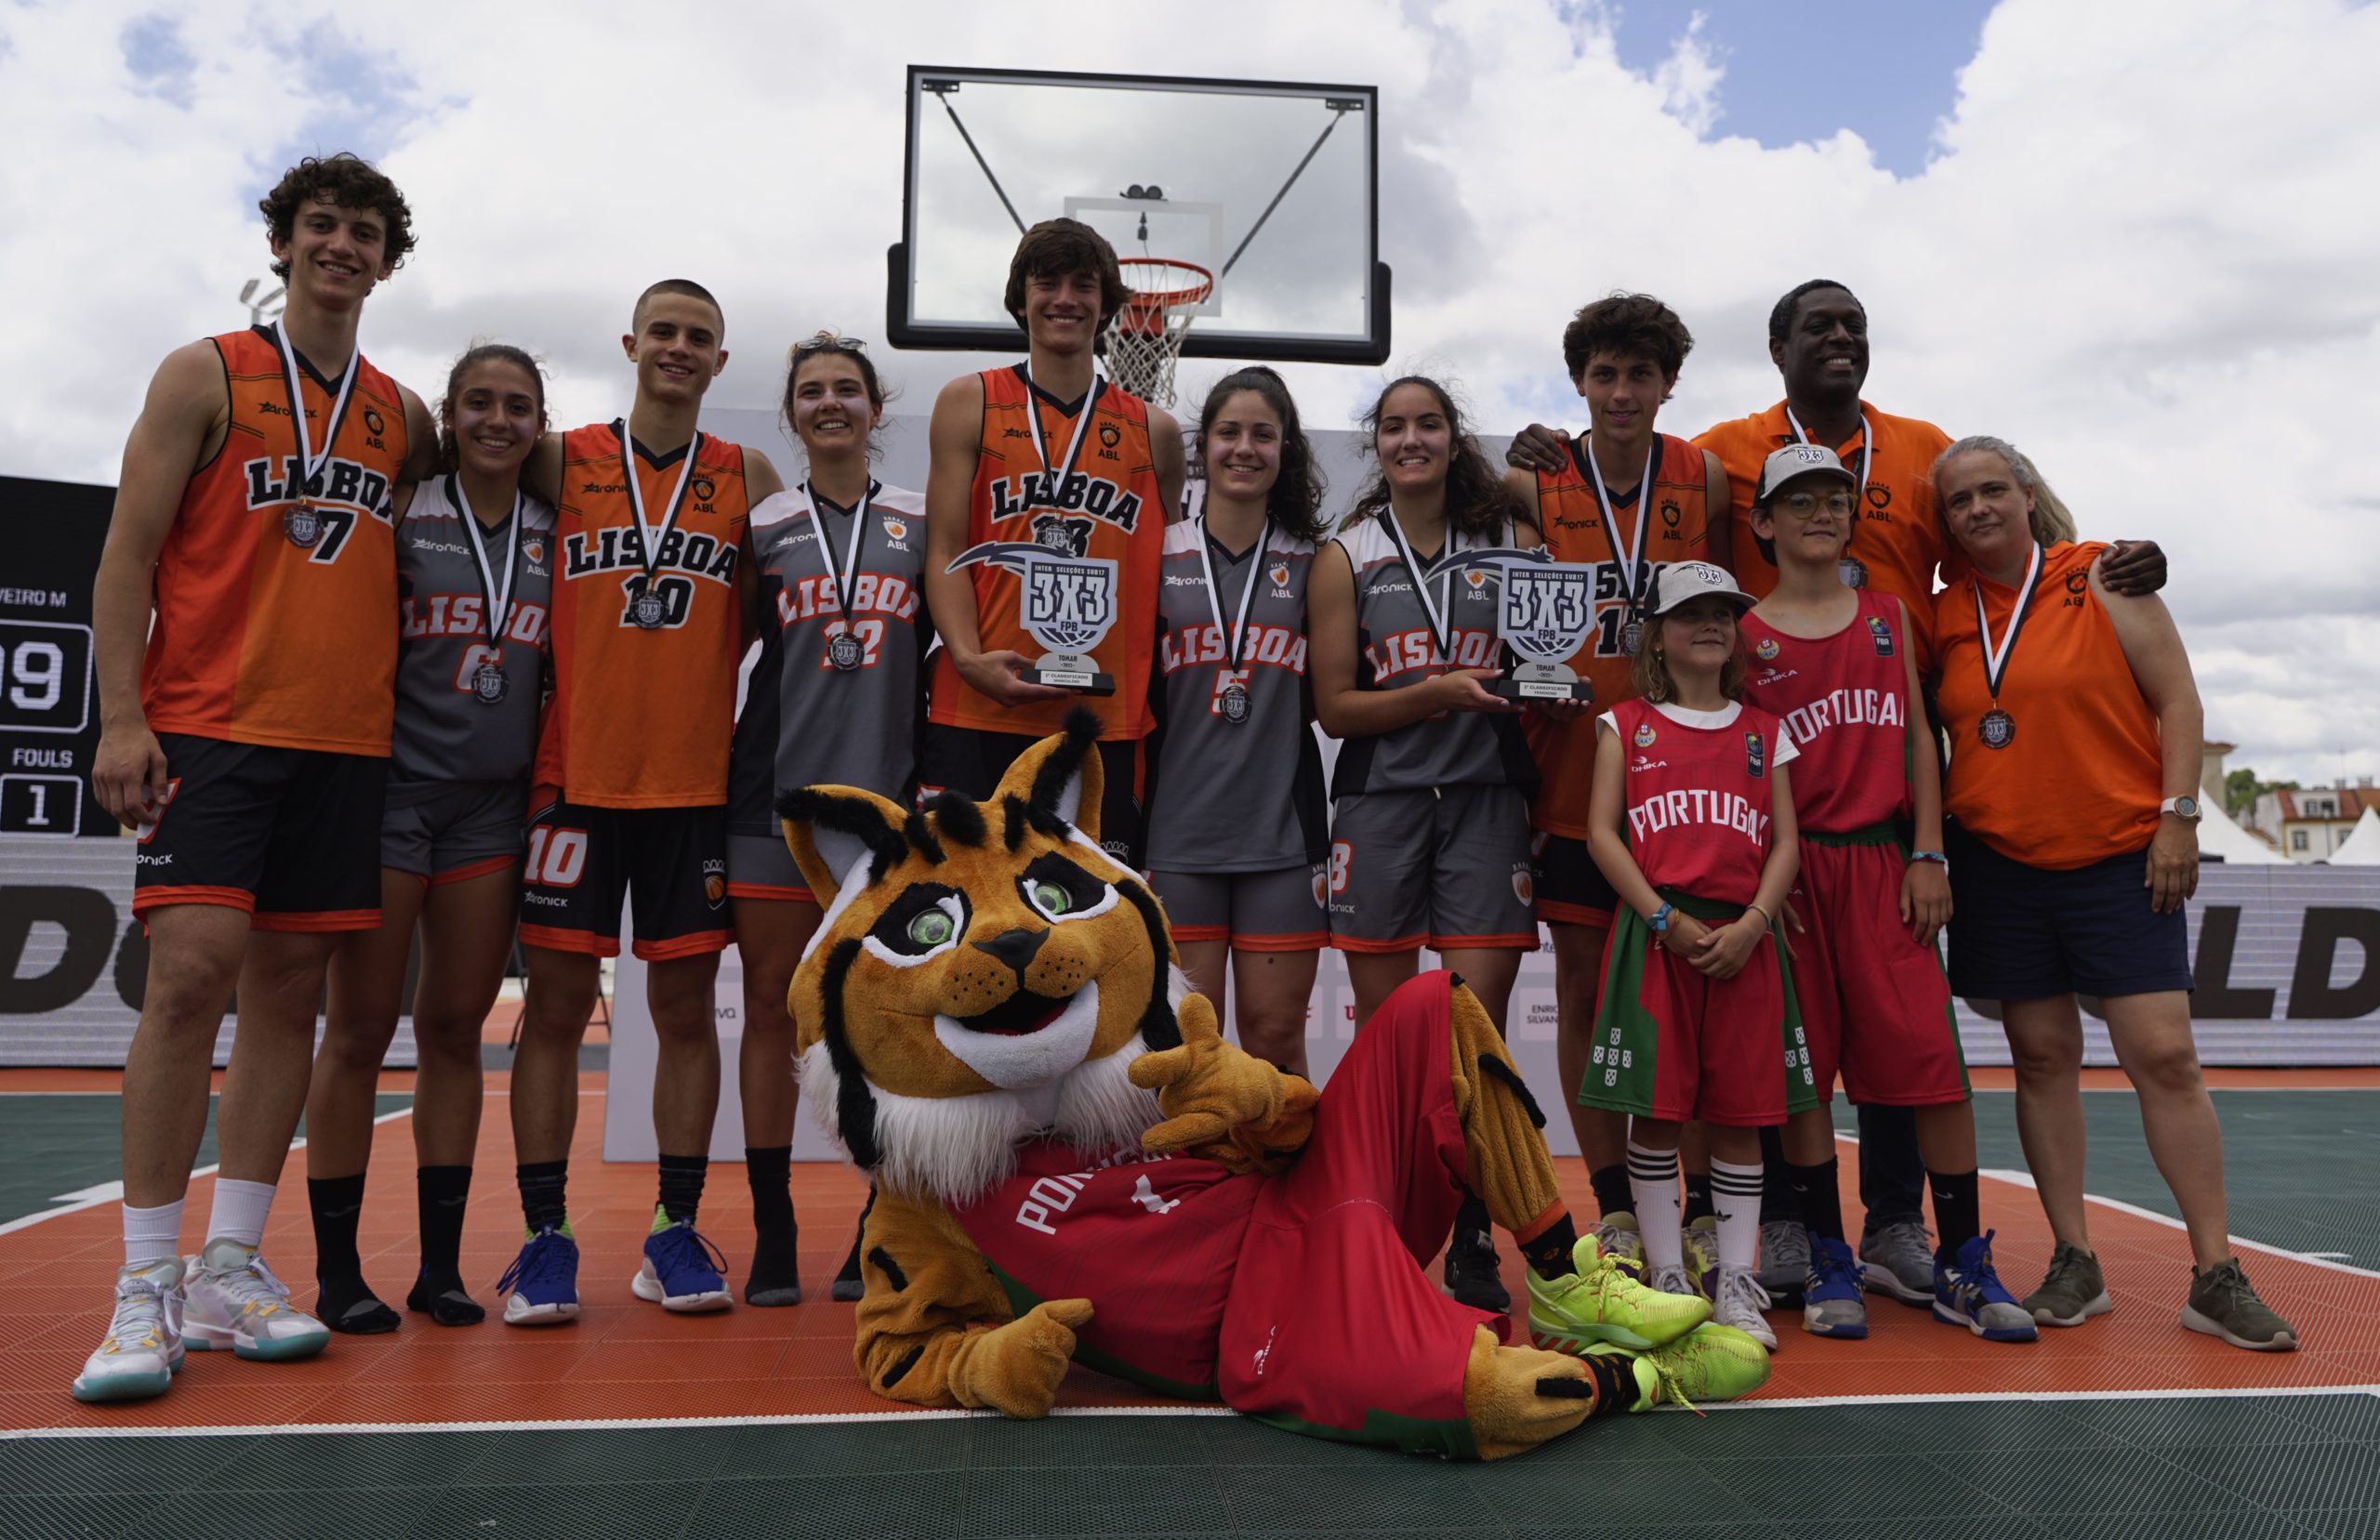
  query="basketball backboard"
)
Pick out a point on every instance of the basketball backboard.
point(1273, 187)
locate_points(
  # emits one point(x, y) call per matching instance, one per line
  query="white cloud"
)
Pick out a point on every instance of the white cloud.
point(2146, 248)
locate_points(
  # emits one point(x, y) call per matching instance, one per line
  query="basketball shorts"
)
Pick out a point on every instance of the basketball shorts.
point(971, 762)
point(670, 862)
point(2024, 932)
point(1277, 911)
point(453, 831)
point(1441, 869)
point(1875, 1006)
point(762, 866)
point(1672, 1044)
point(291, 835)
point(1571, 888)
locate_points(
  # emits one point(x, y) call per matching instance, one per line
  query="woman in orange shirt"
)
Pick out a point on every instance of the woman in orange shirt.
point(2075, 740)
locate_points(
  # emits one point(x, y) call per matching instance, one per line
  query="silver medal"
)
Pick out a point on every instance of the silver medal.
point(301, 524)
point(1235, 700)
point(649, 610)
point(1631, 637)
point(488, 683)
point(844, 650)
point(1852, 570)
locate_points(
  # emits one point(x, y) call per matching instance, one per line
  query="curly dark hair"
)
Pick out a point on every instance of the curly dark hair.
point(1477, 500)
point(1055, 248)
point(1780, 317)
point(482, 352)
point(1626, 325)
point(343, 181)
point(1295, 502)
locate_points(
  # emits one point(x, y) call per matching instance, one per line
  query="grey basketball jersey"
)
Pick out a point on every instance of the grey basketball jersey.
point(835, 698)
point(1237, 783)
point(1396, 648)
point(468, 701)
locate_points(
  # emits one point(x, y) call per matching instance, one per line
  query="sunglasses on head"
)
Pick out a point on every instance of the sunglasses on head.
point(829, 344)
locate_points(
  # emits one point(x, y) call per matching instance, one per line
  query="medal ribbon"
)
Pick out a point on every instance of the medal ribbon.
point(1632, 559)
point(499, 600)
point(846, 583)
point(1236, 636)
point(310, 465)
point(1867, 453)
point(1051, 492)
point(1441, 624)
point(1995, 655)
point(650, 557)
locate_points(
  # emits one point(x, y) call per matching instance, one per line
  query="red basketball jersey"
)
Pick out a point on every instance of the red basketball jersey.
point(1844, 699)
point(1700, 800)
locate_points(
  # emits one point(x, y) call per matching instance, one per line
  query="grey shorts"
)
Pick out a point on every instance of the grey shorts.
point(1441, 869)
point(450, 831)
point(759, 866)
point(1276, 911)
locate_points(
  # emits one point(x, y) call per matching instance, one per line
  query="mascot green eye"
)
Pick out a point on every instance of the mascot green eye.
point(1050, 898)
point(1058, 890)
point(931, 928)
point(925, 920)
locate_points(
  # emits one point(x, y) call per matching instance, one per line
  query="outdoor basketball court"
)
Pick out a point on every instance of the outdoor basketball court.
point(634, 1422)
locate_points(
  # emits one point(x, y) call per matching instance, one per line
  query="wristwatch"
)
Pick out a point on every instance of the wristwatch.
point(1661, 918)
point(2184, 808)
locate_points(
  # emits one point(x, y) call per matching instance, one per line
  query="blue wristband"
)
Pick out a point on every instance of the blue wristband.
point(1934, 856)
point(1660, 922)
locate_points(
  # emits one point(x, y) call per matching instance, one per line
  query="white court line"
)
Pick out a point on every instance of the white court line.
point(2311, 1258)
point(109, 1193)
point(1186, 1409)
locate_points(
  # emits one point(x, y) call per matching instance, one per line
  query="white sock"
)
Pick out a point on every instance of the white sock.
point(1652, 1181)
point(240, 1211)
point(1735, 1201)
point(151, 1234)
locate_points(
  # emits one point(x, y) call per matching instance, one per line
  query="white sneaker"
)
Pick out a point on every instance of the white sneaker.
point(1740, 1302)
point(1672, 1278)
point(234, 1301)
point(143, 1349)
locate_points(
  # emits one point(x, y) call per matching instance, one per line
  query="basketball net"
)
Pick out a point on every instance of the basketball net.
point(1144, 340)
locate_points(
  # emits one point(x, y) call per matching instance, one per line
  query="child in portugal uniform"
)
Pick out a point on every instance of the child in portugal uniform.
point(1838, 666)
point(1693, 825)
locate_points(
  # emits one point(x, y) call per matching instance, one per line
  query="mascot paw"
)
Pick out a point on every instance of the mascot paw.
point(1016, 1368)
point(1219, 1102)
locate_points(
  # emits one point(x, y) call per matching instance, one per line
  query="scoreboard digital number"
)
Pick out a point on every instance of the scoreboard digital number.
point(49, 705)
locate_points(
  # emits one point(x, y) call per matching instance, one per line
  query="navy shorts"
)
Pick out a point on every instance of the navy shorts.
point(1571, 889)
point(2019, 933)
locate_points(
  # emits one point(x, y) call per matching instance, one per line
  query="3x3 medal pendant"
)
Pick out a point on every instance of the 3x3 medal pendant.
point(649, 610)
point(1996, 730)
point(488, 684)
point(302, 524)
point(1235, 704)
point(844, 651)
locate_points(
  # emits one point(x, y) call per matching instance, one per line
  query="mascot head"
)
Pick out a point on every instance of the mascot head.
point(984, 973)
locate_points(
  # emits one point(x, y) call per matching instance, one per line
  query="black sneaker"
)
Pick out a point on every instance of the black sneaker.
point(1473, 1277)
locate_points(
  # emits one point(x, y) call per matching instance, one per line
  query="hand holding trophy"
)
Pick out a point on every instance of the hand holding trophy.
point(1545, 611)
point(1065, 602)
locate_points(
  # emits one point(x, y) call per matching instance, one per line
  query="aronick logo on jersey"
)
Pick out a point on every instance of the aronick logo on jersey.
point(273, 480)
point(620, 548)
point(1015, 496)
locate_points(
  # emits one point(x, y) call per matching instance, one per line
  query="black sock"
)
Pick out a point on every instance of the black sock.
point(345, 1302)
point(1610, 1183)
point(1958, 1211)
point(775, 1277)
point(1698, 1197)
point(440, 1194)
point(1779, 1202)
point(1614, 1377)
point(544, 1195)
point(1549, 1253)
point(1472, 1224)
point(681, 1185)
point(1817, 1198)
point(848, 1282)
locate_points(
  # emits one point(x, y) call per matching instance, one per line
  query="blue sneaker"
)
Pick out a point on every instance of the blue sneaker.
point(542, 1282)
point(683, 1272)
point(1832, 1305)
point(1969, 1294)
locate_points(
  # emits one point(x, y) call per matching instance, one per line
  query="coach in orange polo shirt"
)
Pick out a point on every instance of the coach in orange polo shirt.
point(2075, 737)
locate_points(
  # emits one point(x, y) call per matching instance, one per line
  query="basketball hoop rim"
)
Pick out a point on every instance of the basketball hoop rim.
point(1146, 300)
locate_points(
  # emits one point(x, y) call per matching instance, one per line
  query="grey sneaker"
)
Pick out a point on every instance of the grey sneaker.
point(1784, 1259)
point(2073, 1291)
point(1616, 1237)
point(1899, 1260)
point(1674, 1279)
point(1740, 1303)
point(2223, 1303)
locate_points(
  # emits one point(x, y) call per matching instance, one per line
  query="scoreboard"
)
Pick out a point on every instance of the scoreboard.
point(49, 702)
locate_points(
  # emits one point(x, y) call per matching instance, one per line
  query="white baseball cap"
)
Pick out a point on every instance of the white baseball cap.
point(1680, 580)
point(1783, 465)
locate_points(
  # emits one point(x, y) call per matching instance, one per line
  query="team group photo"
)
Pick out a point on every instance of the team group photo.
point(1099, 886)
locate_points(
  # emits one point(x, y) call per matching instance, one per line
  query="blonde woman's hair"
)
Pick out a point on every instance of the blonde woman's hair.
point(2051, 522)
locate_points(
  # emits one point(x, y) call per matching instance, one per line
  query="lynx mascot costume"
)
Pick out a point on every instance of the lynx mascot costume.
point(1072, 1164)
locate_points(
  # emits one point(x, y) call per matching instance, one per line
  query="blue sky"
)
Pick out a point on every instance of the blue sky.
point(1798, 70)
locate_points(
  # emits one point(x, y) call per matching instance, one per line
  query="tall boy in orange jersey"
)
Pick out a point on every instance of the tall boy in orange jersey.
point(1049, 453)
point(1627, 501)
point(1818, 338)
point(652, 611)
point(256, 521)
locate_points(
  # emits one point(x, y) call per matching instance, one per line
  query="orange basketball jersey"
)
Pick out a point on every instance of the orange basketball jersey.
point(1109, 505)
point(2079, 777)
point(641, 717)
point(1677, 528)
point(1898, 544)
point(260, 640)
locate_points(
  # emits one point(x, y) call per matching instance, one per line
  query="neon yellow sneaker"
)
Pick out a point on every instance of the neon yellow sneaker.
point(1711, 1362)
point(1602, 1302)
point(1700, 1243)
